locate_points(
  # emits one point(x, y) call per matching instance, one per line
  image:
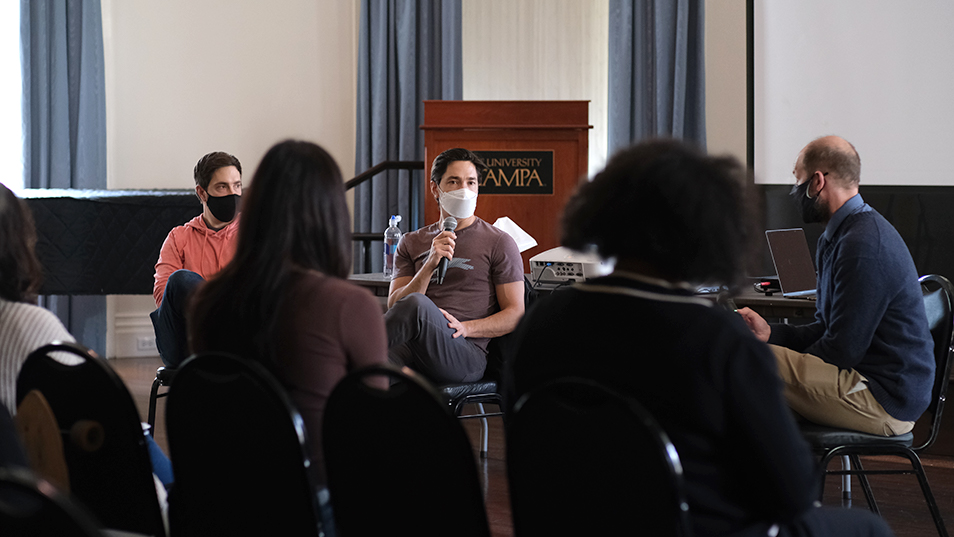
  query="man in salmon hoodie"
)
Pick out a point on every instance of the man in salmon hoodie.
point(196, 251)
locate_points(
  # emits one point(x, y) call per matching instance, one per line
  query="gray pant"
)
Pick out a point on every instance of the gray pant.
point(418, 337)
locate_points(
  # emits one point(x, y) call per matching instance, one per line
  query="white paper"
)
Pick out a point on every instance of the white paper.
point(522, 238)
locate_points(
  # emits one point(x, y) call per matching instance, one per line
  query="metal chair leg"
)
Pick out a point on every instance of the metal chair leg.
point(866, 486)
point(846, 481)
point(928, 495)
point(153, 395)
point(484, 432)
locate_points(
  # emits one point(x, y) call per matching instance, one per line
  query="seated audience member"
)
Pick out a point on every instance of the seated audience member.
point(24, 326)
point(284, 299)
point(673, 217)
point(442, 329)
point(196, 251)
point(867, 362)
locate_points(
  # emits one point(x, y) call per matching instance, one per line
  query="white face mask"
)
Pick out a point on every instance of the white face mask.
point(460, 203)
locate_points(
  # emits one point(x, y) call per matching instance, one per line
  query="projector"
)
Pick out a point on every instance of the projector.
point(560, 265)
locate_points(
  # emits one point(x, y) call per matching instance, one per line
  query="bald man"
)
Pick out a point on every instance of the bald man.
point(867, 362)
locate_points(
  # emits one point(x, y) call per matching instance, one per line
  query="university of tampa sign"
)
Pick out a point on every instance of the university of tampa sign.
point(517, 172)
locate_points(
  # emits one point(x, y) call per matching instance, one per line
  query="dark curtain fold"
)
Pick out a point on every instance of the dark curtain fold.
point(656, 71)
point(409, 51)
point(64, 123)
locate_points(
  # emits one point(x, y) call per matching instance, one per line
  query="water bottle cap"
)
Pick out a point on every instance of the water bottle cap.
point(395, 219)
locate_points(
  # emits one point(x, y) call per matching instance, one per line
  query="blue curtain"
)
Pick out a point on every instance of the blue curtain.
point(64, 123)
point(408, 51)
point(656, 71)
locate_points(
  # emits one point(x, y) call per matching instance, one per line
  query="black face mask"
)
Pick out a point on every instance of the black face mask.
point(809, 208)
point(223, 208)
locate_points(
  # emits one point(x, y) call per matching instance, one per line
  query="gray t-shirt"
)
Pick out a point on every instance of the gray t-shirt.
point(484, 257)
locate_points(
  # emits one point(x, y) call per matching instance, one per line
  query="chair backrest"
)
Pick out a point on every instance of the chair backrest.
point(105, 450)
point(33, 507)
point(585, 460)
point(939, 306)
point(238, 448)
point(399, 463)
point(500, 347)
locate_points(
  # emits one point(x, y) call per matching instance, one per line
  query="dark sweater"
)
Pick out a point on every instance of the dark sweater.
point(870, 311)
point(698, 369)
point(328, 328)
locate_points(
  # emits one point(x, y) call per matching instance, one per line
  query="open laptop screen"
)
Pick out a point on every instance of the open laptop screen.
point(793, 261)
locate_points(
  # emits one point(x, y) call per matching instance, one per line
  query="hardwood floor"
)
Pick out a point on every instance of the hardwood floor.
point(899, 497)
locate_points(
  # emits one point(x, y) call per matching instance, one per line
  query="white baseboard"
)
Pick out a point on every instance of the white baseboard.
point(133, 336)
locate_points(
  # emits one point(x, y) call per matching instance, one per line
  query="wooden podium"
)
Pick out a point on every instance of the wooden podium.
point(536, 153)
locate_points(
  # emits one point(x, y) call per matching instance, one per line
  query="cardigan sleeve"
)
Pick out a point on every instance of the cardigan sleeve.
point(773, 457)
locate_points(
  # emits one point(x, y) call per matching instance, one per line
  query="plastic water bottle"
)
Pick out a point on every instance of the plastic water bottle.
point(392, 236)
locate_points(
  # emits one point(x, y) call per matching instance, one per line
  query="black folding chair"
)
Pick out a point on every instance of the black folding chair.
point(106, 455)
point(486, 390)
point(238, 447)
point(33, 507)
point(831, 442)
point(399, 463)
point(585, 460)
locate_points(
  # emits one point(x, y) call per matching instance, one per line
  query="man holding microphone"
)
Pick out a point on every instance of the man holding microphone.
point(458, 282)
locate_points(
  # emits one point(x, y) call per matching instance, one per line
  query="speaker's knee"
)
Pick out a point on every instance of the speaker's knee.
point(409, 305)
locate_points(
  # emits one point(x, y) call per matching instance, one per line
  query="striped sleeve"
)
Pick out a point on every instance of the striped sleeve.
point(23, 329)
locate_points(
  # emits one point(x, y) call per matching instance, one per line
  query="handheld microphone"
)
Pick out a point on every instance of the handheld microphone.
point(450, 224)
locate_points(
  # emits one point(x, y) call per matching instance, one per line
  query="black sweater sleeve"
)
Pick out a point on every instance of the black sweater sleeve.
point(775, 461)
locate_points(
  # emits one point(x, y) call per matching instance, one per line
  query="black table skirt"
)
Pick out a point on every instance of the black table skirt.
point(104, 242)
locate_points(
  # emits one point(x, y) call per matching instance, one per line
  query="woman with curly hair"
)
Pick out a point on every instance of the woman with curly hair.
point(674, 218)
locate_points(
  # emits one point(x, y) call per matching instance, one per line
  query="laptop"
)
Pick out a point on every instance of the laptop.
point(793, 262)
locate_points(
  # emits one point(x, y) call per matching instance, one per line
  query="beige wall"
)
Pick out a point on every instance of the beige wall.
point(185, 77)
point(725, 77)
point(557, 49)
point(539, 50)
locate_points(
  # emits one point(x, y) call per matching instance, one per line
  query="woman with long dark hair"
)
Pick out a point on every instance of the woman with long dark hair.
point(24, 326)
point(284, 300)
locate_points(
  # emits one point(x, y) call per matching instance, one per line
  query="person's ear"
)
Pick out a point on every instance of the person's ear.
point(821, 182)
point(434, 191)
point(201, 194)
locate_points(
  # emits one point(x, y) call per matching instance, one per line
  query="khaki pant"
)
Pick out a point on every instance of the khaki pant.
point(824, 394)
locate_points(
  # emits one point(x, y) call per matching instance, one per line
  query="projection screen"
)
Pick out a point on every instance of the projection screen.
point(878, 72)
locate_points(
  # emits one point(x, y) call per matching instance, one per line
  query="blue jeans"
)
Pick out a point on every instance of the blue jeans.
point(169, 320)
point(160, 462)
